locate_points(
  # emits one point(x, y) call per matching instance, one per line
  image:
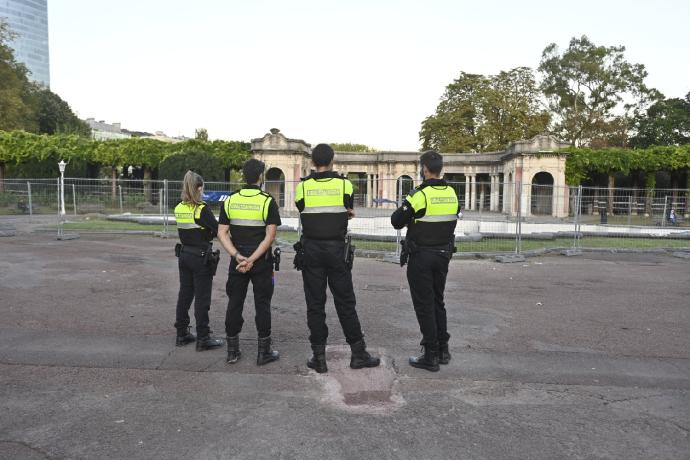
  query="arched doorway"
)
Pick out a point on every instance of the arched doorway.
point(403, 186)
point(542, 194)
point(275, 185)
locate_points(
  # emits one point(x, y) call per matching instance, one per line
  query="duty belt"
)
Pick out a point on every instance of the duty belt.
point(196, 250)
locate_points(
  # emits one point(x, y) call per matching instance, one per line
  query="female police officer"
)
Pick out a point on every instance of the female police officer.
point(196, 226)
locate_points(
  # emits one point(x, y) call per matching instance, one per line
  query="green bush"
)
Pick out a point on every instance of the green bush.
point(200, 161)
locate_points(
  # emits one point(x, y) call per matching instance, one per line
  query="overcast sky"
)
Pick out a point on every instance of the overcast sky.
point(324, 71)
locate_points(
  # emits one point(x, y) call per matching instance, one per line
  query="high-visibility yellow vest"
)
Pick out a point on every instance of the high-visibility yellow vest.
point(324, 195)
point(248, 207)
point(440, 202)
point(185, 215)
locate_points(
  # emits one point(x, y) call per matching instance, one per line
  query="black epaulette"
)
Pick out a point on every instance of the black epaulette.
point(417, 189)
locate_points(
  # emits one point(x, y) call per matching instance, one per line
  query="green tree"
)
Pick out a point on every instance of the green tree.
point(15, 89)
point(666, 122)
point(592, 90)
point(53, 115)
point(201, 134)
point(479, 113)
point(348, 147)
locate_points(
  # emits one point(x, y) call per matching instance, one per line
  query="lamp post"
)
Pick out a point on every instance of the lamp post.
point(62, 165)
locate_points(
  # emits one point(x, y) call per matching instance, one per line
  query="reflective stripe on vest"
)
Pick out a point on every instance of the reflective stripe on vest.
point(247, 207)
point(185, 215)
point(325, 195)
point(441, 204)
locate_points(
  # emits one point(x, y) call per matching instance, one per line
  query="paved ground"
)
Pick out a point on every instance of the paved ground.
point(582, 357)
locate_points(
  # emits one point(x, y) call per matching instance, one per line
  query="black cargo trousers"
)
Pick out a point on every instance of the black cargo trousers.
point(196, 282)
point(324, 265)
point(426, 275)
point(261, 276)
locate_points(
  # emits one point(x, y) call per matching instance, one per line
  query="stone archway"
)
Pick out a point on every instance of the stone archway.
point(275, 185)
point(542, 194)
point(403, 186)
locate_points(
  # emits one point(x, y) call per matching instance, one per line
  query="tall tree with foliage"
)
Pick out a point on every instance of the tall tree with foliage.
point(53, 115)
point(666, 122)
point(479, 113)
point(15, 89)
point(592, 90)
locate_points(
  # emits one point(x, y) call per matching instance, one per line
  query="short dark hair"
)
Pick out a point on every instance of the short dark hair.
point(252, 170)
point(432, 160)
point(322, 155)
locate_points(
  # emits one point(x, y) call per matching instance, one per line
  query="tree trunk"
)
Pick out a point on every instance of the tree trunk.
point(612, 184)
point(114, 183)
point(147, 184)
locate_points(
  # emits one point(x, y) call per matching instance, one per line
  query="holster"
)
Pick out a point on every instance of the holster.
point(276, 259)
point(298, 261)
point(178, 249)
point(211, 259)
point(349, 252)
point(404, 252)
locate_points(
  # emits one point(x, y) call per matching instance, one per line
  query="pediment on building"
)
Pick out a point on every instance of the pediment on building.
point(275, 140)
point(541, 143)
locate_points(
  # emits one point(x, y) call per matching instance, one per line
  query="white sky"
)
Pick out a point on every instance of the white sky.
point(324, 71)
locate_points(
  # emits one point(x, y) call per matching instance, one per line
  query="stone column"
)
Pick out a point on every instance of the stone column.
point(492, 193)
point(467, 192)
point(473, 198)
point(481, 196)
point(370, 186)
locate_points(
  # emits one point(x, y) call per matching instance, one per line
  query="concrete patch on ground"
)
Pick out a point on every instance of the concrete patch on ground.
point(370, 391)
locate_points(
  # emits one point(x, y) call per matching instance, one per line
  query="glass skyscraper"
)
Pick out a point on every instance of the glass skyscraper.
point(29, 20)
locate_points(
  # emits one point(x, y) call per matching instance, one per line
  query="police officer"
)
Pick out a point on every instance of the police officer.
point(196, 226)
point(248, 222)
point(325, 202)
point(430, 213)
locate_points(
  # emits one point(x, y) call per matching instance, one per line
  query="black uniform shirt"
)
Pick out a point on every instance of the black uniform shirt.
point(325, 226)
point(424, 233)
point(243, 235)
point(202, 237)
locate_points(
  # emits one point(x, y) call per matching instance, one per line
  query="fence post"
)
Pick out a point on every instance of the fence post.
point(398, 233)
point(119, 189)
point(74, 199)
point(518, 218)
point(59, 216)
point(629, 210)
point(165, 207)
point(31, 207)
point(663, 217)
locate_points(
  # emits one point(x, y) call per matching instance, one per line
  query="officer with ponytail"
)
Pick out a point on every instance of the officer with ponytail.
point(430, 213)
point(196, 226)
point(249, 219)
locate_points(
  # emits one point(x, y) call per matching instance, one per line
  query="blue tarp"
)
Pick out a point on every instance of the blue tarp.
point(215, 197)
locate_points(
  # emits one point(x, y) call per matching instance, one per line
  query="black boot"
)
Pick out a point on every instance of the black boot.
point(427, 361)
point(318, 360)
point(207, 342)
point(266, 353)
point(360, 357)
point(184, 336)
point(234, 352)
point(443, 354)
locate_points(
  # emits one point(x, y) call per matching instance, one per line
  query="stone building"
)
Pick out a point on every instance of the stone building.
point(529, 174)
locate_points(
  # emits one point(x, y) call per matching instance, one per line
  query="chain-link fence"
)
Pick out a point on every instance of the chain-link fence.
point(496, 217)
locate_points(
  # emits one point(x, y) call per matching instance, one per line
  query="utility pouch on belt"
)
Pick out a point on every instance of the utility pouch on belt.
point(349, 252)
point(298, 262)
point(178, 249)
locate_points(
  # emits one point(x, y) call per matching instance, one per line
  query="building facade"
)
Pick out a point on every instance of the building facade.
point(102, 131)
point(529, 176)
point(29, 20)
